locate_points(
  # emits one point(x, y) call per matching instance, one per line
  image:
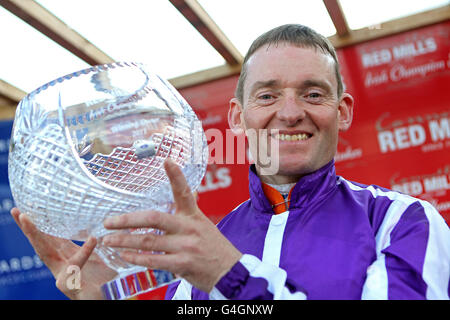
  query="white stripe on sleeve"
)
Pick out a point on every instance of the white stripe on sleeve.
point(436, 268)
point(184, 291)
point(275, 276)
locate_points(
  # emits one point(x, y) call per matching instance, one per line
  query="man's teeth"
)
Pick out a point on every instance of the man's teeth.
point(291, 137)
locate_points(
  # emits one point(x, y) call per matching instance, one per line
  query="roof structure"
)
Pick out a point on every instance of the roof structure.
point(186, 41)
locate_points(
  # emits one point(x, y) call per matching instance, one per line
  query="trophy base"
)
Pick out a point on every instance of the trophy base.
point(128, 286)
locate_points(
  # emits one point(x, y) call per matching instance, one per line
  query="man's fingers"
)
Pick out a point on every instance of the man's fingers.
point(182, 194)
point(144, 219)
point(146, 242)
point(83, 254)
point(15, 214)
point(27, 227)
point(150, 260)
point(40, 241)
point(46, 246)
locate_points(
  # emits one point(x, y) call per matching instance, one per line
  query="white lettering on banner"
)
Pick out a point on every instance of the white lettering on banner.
point(348, 154)
point(6, 204)
point(376, 58)
point(436, 183)
point(376, 79)
point(381, 124)
point(400, 72)
point(441, 206)
point(432, 147)
point(17, 264)
point(413, 188)
point(210, 120)
point(398, 52)
point(25, 277)
point(397, 136)
point(4, 145)
point(401, 138)
point(439, 130)
point(6, 219)
point(414, 49)
point(217, 179)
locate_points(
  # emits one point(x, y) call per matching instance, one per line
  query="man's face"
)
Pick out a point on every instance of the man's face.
point(293, 90)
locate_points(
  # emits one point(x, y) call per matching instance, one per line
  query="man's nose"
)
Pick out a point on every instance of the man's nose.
point(291, 111)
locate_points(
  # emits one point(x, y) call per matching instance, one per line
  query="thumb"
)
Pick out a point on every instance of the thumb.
point(184, 199)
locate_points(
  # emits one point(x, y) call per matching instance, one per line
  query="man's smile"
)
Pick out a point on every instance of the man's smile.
point(300, 136)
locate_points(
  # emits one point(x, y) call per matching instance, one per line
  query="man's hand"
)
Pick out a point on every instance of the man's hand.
point(192, 246)
point(63, 258)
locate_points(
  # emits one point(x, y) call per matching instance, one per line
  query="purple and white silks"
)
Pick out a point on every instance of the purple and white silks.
point(339, 240)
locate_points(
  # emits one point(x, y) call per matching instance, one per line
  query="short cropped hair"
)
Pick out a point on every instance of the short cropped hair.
point(297, 35)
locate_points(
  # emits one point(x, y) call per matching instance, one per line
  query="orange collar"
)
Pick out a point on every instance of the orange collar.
point(279, 205)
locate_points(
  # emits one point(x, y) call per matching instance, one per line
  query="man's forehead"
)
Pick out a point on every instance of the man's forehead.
point(270, 49)
point(265, 61)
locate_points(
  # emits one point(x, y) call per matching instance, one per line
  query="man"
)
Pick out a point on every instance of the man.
point(305, 233)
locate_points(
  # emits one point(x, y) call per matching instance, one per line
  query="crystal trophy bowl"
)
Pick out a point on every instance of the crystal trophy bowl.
point(91, 145)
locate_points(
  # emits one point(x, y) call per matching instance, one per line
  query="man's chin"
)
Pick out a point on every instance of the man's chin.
point(285, 173)
point(298, 167)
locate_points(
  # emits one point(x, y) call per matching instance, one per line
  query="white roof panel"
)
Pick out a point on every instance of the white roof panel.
point(30, 59)
point(366, 13)
point(243, 21)
point(151, 32)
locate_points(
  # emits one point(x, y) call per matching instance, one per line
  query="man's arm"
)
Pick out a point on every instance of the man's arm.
point(248, 279)
point(413, 254)
point(253, 279)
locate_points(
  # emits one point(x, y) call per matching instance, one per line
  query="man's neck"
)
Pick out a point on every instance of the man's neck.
point(278, 179)
point(284, 189)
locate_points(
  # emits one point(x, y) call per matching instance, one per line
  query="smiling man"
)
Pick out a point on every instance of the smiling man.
point(292, 90)
point(305, 233)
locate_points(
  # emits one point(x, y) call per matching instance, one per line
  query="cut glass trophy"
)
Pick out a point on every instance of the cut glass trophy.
point(91, 145)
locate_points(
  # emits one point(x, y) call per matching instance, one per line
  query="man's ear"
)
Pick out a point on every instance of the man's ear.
point(345, 110)
point(235, 117)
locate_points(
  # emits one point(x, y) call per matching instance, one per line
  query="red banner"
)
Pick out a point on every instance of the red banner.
point(226, 182)
point(400, 137)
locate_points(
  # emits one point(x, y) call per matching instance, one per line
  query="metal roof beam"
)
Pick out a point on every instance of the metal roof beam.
point(9, 98)
point(337, 16)
point(10, 92)
point(205, 76)
point(206, 26)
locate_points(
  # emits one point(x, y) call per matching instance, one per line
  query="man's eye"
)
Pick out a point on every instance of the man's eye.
point(314, 95)
point(265, 96)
